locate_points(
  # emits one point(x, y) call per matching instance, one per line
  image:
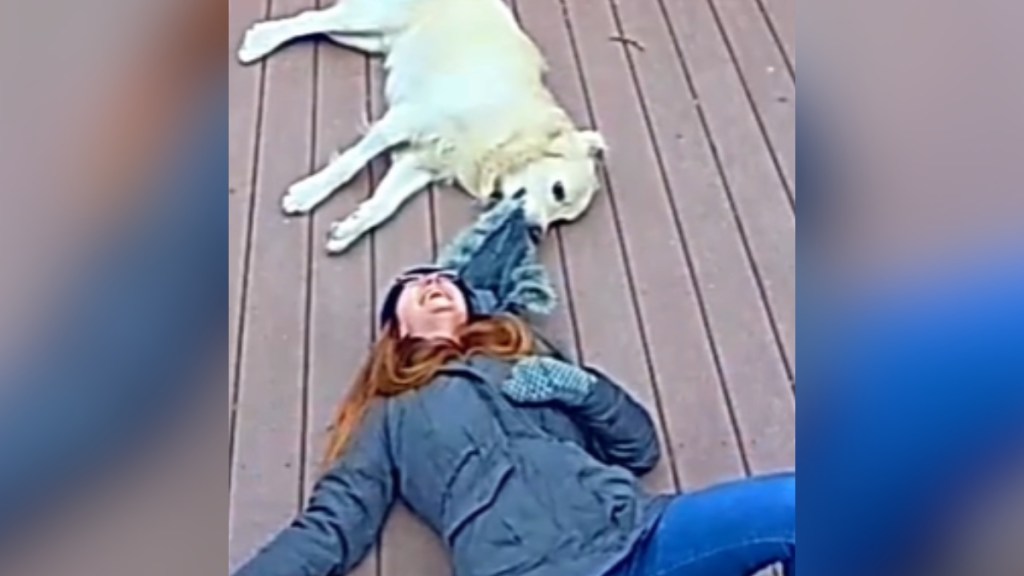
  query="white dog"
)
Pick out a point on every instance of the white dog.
point(466, 105)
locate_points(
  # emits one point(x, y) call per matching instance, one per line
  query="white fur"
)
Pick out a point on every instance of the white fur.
point(466, 105)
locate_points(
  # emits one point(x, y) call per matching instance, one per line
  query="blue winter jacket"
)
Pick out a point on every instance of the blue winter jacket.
point(512, 490)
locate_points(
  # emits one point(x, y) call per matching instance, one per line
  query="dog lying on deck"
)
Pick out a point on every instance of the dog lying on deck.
point(466, 105)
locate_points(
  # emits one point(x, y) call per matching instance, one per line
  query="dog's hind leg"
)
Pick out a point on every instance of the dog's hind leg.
point(403, 180)
point(391, 130)
point(364, 20)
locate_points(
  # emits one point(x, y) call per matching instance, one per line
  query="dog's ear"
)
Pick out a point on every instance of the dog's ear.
point(593, 141)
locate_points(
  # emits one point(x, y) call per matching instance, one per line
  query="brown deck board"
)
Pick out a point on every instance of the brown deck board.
point(678, 281)
point(670, 322)
point(744, 352)
point(767, 82)
point(265, 492)
point(767, 221)
point(690, 382)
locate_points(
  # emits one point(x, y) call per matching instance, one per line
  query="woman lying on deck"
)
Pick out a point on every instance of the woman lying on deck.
point(526, 464)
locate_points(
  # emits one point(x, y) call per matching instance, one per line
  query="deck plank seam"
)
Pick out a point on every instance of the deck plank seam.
point(432, 208)
point(374, 178)
point(770, 22)
point(570, 304)
point(247, 256)
point(377, 553)
point(307, 337)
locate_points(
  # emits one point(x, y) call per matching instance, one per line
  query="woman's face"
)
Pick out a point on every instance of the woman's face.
point(430, 306)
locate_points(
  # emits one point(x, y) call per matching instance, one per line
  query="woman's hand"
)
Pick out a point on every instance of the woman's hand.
point(540, 379)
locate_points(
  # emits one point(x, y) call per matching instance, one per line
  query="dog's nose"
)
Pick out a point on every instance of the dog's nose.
point(536, 232)
point(494, 198)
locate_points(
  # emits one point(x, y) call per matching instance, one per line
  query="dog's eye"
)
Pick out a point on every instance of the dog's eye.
point(496, 195)
point(519, 194)
point(558, 191)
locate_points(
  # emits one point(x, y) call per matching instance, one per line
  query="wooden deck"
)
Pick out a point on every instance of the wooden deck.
point(680, 281)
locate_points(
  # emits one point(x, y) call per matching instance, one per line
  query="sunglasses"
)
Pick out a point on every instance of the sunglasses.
point(423, 274)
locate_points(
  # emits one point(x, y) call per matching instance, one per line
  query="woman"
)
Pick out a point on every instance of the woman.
point(524, 464)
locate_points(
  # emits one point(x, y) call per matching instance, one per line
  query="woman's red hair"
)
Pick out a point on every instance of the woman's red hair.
point(398, 365)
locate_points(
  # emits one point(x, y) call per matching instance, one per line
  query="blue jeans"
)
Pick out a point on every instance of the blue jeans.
point(732, 529)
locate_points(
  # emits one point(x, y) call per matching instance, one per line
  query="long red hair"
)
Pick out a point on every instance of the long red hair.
point(398, 365)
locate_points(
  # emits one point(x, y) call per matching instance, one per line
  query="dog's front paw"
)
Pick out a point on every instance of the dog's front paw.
point(256, 44)
point(301, 197)
point(343, 234)
point(292, 204)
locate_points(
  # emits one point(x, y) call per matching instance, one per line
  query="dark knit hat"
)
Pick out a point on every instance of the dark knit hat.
point(389, 308)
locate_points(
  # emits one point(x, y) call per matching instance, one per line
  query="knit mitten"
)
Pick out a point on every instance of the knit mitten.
point(540, 379)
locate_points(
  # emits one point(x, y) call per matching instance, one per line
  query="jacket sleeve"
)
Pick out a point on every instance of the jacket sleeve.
point(616, 428)
point(344, 515)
